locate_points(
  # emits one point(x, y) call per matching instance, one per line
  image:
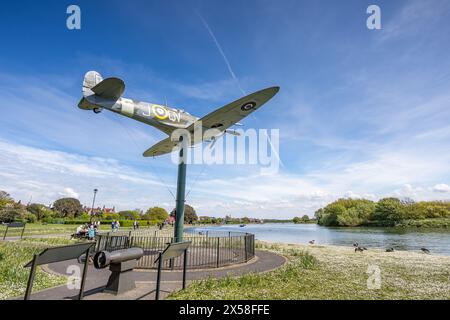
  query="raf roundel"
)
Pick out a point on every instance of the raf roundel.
point(160, 112)
point(248, 106)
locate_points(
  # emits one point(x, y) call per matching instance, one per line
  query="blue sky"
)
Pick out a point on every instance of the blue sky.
point(361, 113)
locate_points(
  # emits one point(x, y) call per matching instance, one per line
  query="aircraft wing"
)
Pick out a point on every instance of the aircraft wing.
point(162, 147)
point(234, 112)
point(220, 119)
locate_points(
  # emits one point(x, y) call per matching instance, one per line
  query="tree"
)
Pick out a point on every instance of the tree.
point(390, 209)
point(331, 212)
point(245, 220)
point(305, 218)
point(189, 214)
point(68, 207)
point(157, 214)
point(29, 217)
point(296, 220)
point(129, 214)
point(5, 199)
point(318, 214)
point(10, 214)
point(39, 210)
point(349, 218)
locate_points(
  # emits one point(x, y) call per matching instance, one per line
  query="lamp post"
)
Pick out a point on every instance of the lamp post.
point(93, 203)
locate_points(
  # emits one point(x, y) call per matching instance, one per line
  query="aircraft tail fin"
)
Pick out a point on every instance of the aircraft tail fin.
point(91, 79)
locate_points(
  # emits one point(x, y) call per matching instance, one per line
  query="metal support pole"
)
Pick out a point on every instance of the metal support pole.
point(23, 230)
point(184, 269)
point(158, 277)
point(218, 252)
point(181, 191)
point(83, 276)
point(245, 248)
point(30, 279)
point(6, 231)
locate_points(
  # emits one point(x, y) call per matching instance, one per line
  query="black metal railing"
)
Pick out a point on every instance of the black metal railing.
point(214, 250)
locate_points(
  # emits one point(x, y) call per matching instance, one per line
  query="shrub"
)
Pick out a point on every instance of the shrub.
point(129, 214)
point(110, 216)
point(39, 210)
point(10, 214)
point(85, 216)
point(29, 217)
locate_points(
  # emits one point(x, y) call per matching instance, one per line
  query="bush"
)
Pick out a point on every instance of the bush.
point(29, 218)
point(10, 214)
point(40, 211)
point(129, 215)
point(110, 216)
point(85, 216)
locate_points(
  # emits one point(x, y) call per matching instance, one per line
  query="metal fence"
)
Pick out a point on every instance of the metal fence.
point(212, 250)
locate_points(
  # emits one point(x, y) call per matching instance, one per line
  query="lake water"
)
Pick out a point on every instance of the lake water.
point(437, 241)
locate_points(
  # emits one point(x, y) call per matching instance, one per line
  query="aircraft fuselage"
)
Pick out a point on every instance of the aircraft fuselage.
point(162, 117)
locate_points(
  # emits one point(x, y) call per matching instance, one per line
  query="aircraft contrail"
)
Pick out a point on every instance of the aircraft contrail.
point(221, 51)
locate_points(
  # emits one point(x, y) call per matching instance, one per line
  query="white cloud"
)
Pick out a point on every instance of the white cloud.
point(69, 192)
point(441, 187)
point(46, 175)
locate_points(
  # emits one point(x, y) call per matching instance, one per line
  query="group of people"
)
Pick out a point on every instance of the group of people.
point(115, 225)
point(88, 230)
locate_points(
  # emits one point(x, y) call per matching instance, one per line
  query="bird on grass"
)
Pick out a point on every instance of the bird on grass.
point(312, 241)
point(360, 249)
point(425, 250)
point(390, 249)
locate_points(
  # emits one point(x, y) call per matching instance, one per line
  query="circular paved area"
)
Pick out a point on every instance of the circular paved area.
point(146, 279)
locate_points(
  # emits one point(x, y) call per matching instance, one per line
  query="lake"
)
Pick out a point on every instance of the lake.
point(437, 241)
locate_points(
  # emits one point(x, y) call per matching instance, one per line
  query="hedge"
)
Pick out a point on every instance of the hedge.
point(123, 223)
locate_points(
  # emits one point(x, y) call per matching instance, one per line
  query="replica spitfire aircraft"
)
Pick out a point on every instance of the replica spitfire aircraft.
point(99, 94)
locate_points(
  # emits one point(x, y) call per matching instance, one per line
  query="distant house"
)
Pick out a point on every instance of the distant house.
point(98, 210)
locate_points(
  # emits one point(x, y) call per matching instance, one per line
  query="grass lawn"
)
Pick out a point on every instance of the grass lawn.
point(33, 229)
point(331, 272)
point(14, 255)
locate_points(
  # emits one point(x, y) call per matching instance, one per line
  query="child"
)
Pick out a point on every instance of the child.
point(91, 233)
